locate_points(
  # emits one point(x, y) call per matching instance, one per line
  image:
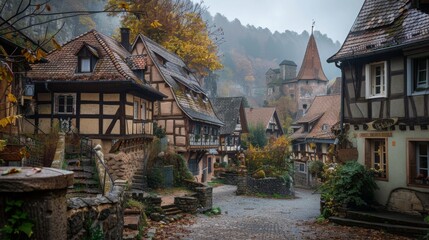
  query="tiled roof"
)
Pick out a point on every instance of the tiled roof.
point(334, 86)
point(62, 64)
point(257, 116)
point(323, 110)
point(311, 68)
point(136, 62)
point(384, 25)
point(228, 111)
point(288, 62)
point(177, 74)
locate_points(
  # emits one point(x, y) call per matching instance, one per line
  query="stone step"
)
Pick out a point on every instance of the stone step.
point(83, 175)
point(81, 168)
point(84, 190)
point(138, 177)
point(170, 210)
point(138, 186)
point(391, 228)
point(388, 217)
point(129, 234)
point(86, 182)
point(131, 211)
point(82, 162)
point(132, 221)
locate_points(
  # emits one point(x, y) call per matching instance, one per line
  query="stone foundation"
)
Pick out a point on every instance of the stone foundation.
point(187, 204)
point(269, 186)
point(85, 216)
point(408, 201)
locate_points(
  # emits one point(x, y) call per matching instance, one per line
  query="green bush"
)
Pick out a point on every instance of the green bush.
point(155, 178)
point(348, 185)
point(315, 167)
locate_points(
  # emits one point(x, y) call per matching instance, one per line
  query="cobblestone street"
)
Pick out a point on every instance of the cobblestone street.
point(245, 217)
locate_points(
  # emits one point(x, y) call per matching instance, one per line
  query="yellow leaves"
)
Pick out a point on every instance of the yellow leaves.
point(56, 44)
point(5, 72)
point(33, 56)
point(123, 5)
point(155, 24)
point(8, 120)
point(3, 52)
point(23, 152)
point(11, 98)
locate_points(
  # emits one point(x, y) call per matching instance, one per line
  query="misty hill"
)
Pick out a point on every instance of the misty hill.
point(248, 52)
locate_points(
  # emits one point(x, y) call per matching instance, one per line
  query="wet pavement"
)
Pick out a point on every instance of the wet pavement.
point(246, 217)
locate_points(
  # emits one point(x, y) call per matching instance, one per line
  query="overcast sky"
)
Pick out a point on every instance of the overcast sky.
point(332, 17)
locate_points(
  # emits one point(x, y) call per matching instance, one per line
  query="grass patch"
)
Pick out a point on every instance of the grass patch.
point(216, 182)
point(212, 212)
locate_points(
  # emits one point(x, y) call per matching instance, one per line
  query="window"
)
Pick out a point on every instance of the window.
point(209, 165)
point(418, 75)
point(193, 166)
point(375, 78)
point(136, 110)
point(64, 103)
point(143, 111)
point(376, 157)
point(418, 158)
point(85, 64)
point(301, 167)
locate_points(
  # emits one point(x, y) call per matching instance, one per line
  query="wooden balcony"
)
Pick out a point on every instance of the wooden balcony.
point(203, 140)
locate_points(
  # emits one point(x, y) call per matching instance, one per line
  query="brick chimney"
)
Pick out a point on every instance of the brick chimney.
point(125, 38)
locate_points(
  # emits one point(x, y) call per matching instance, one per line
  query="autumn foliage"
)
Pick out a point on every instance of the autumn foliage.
point(175, 24)
point(272, 158)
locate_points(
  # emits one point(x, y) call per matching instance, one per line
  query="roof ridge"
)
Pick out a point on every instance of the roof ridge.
point(72, 39)
point(110, 53)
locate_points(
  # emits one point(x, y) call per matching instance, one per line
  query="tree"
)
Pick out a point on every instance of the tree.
point(177, 25)
point(257, 136)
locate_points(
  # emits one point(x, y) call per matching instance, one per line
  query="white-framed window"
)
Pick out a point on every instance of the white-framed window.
point(65, 103)
point(418, 74)
point(418, 162)
point(376, 80)
point(301, 167)
point(143, 111)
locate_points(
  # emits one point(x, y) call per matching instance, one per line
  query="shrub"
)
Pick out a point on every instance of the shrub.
point(350, 185)
point(155, 178)
point(315, 167)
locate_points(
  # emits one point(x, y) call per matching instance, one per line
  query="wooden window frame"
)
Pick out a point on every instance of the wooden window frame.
point(369, 157)
point(136, 110)
point(412, 164)
point(370, 79)
point(57, 103)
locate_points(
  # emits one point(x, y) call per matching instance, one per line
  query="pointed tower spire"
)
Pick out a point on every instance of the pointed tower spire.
point(311, 68)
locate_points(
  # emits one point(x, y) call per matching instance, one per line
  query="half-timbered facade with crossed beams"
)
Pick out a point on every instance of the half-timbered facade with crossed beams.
point(94, 85)
point(385, 91)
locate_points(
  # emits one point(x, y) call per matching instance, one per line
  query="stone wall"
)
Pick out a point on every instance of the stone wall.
point(187, 204)
point(269, 186)
point(203, 193)
point(123, 165)
point(86, 216)
point(241, 185)
point(230, 178)
point(408, 201)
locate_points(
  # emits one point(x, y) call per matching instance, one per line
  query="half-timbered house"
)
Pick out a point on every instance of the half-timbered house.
point(268, 118)
point(231, 111)
point(94, 86)
point(187, 115)
point(385, 90)
point(313, 137)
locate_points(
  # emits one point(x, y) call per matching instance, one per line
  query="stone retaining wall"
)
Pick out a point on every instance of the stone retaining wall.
point(123, 165)
point(230, 178)
point(269, 186)
point(408, 201)
point(86, 216)
point(203, 193)
point(187, 204)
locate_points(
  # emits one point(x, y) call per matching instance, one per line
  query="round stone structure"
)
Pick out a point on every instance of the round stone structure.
point(44, 197)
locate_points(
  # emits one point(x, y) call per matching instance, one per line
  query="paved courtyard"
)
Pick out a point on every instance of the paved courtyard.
point(245, 217)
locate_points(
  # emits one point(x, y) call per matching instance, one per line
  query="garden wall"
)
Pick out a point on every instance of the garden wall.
point(89, 218)
point(123, 165)
point(203, 193)
point(230, 178)
point(269, 186)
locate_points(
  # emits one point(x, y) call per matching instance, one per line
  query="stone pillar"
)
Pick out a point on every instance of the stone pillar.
point(205, 196)
point(44, 197)
point(241, 185)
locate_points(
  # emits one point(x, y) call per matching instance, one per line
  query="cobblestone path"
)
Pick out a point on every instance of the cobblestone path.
point(245, 217)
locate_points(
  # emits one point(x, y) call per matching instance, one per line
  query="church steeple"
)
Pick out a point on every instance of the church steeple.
point(311, 68)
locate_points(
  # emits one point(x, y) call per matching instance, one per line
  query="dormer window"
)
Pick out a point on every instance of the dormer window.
point(87, 57)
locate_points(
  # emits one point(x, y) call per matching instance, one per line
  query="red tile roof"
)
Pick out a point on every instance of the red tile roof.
point(311, 68)
point(323, 110)
point(62, 64)
point(257, 116)
point(384, 25)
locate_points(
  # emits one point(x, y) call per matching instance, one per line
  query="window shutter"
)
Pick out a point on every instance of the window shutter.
point(412, 163)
